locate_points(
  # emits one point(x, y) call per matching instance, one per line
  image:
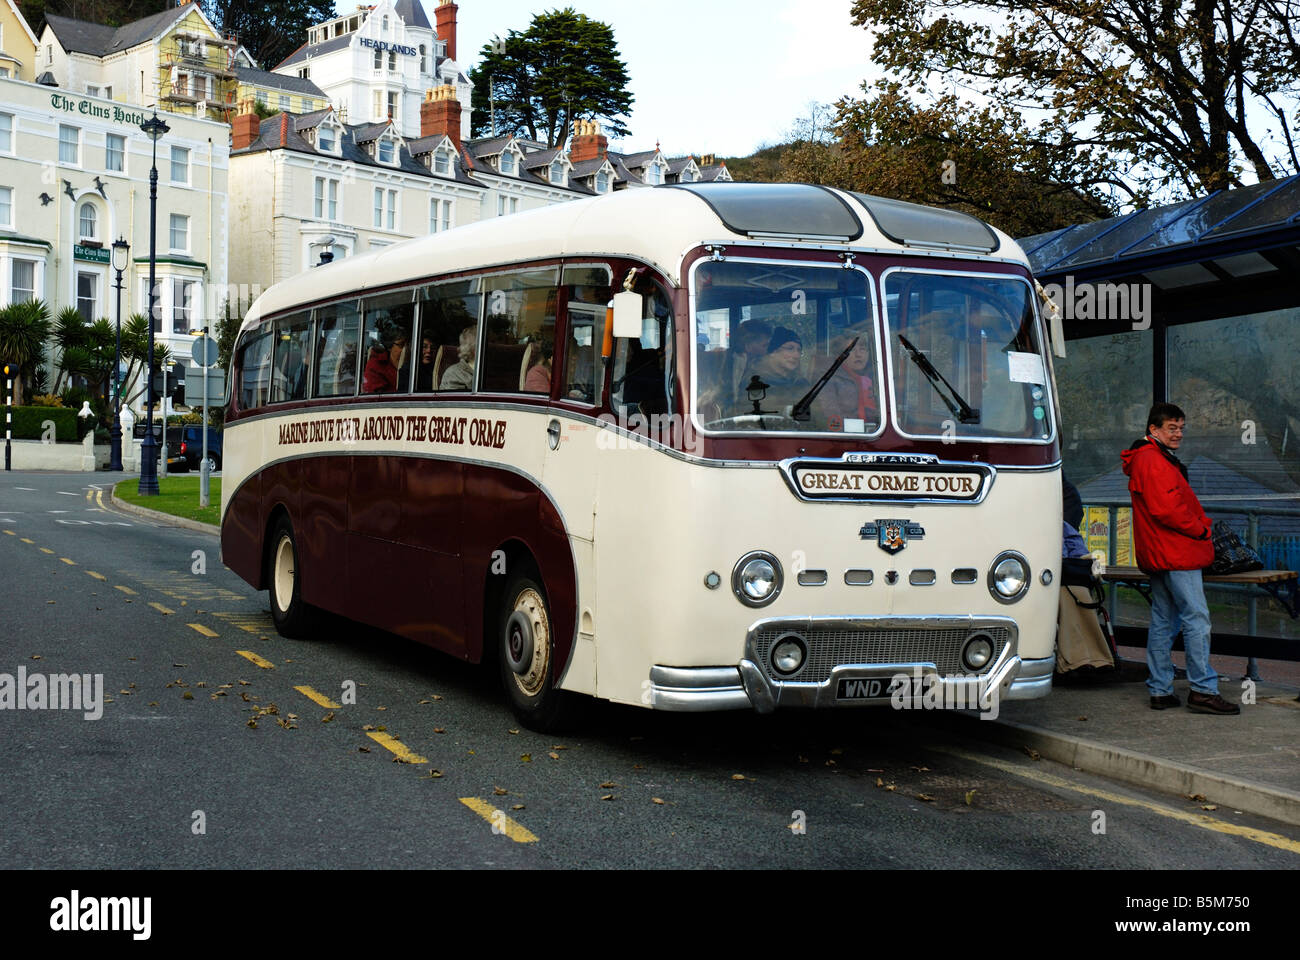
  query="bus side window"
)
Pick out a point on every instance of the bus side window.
point(255, 368)
point(386, 343)
point(338, 327)
point(587, 289)
point(519, 328)
point(640, 365)
point(291, 370)
point(448, 336)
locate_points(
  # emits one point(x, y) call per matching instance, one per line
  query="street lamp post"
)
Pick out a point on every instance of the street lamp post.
point(154, 129)
point(120, 250)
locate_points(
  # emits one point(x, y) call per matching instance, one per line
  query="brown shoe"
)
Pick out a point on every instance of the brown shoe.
point(1210, 703)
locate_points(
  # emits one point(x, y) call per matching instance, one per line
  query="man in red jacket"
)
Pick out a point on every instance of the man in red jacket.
point(1172, 536)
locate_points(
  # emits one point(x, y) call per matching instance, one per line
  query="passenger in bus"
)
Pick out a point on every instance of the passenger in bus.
point(380, 376)
point(538, 377)
point(424, 370)
point(748, 348)
point(850, 395)
point(780, 370)
point(460, 376)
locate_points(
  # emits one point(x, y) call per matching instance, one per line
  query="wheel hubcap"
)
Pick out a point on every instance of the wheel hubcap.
point(528, 643)
point(284, 573)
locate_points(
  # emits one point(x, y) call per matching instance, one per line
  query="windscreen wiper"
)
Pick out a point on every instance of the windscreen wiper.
point(803, 409)
point(962, 410)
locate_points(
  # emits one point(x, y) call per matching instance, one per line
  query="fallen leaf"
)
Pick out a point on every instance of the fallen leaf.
point(656, 800)
point(187, 695)
point(363, 749)
point(328, 717)
point(891, 788)
point(829, 763)
point(435, 774)
point(608, 785)
point(558, 746)
point(970, 797)
point(1031, 753)
point(553, 755)
point(154, 703)
point(439, 730)
point(1195, 796)
point(381, 708)
point(252, 722)
point(424, 701)
point(517, 806)
point(926, 797)
point(242, 683)
point(367, 728)
point(434, 697)
point(737, 776)
point(397, 759)
point(802, 759)
point(1210, 806)
point(201, 683)
point(246, 697)
point(921, 769)
point(608, 796)
point(636, 766)
point(382, 729)
point(499, 791)
point(836, 751)
point(879, 782)
point(1081, 719)
point(293, 716)
point(286, 724)
point(512, 731)
point(526, 757)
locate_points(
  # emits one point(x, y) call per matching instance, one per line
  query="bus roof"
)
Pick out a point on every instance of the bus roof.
point(660, 226)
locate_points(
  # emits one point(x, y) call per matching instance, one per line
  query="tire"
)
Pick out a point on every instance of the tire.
point(213, 463)
point(524, 624)
point(284, 581)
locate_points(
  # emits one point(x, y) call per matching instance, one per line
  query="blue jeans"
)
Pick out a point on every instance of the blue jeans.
point(1178, 599)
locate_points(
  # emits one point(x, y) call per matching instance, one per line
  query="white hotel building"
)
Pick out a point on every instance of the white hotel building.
point(74, 176)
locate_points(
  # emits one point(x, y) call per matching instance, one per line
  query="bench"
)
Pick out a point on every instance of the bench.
point(1281, 585)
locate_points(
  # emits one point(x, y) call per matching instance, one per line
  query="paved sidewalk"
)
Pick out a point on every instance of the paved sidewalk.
point(1249, 762)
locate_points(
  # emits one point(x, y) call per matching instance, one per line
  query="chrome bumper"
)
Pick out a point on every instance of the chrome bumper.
point(746, 685)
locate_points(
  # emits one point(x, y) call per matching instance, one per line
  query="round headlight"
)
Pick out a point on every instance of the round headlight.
point(1008, 577)
point(788, 655)
point(757, 578)
point(977, 652)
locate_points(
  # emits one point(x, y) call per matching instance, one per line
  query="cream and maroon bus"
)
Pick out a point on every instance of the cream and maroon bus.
point(695, 447)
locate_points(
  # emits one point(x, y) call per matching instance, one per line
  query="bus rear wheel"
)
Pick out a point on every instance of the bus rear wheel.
point(288, 610)
point(526, 653)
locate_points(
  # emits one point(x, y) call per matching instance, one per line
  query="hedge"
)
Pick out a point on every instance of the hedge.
point(27, 423)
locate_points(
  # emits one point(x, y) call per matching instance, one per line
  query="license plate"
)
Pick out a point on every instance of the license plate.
point(868, 688)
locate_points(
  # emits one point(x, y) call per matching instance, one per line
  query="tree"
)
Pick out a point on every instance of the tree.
point(950, 155)
point(1149, 99)
point(113, 13)
point(24, 328)
point(269, 31)
point(565, 66)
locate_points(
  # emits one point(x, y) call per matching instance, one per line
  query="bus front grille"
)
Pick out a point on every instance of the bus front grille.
point(831, 645)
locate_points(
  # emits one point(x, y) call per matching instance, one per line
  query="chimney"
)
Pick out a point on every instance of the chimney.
point(284, 129)
point(588, 142)
point(445, 15)
point(246, 126)
point(707, 160)
point(440, 114)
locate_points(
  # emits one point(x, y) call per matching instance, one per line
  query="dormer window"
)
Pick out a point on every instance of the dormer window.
point(557, 172)
point(442, 162)
point(602, 182)
point(327, 138)
point(507, 164)
point(386, 151)
point(654, 174)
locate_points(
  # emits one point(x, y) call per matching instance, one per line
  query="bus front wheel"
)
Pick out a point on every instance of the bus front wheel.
point(525, 654)
point(285, 581)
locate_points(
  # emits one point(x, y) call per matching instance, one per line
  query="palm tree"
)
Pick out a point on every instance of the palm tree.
point(135, 350)
point(24, 328)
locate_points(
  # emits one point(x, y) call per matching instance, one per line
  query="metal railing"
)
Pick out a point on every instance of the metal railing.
point(1222, 507)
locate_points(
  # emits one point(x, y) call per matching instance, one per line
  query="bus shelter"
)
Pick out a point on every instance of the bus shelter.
point(1195, 303)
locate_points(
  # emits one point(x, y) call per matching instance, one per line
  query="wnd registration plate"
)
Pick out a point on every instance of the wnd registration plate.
point(868, 688)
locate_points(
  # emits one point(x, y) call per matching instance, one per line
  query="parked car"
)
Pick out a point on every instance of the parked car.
point(187, 441)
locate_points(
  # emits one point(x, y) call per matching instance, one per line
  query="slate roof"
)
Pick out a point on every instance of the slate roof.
point(412, 13)
point(278, 81)
point(98, 40)
point(309, 50)
point(285, 131)
point(634, 160)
